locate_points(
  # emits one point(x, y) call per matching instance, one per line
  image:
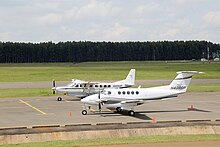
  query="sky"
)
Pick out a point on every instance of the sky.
point(109, 20)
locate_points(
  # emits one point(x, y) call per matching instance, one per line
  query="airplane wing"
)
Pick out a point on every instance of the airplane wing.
point(125, 104)
point(130, 104)
point(84, 82)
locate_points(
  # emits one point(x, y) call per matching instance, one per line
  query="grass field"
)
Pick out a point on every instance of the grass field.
point(129, 140)
point(103, 71)
point(34, 92)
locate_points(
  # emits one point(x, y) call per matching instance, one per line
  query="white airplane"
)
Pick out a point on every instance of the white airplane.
point(127, 99)
point(82, 89)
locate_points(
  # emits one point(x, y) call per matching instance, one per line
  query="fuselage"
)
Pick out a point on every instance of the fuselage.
point(83, 90)
point(129, 94)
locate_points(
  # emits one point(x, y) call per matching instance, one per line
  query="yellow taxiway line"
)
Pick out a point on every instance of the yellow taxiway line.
point(32, 107)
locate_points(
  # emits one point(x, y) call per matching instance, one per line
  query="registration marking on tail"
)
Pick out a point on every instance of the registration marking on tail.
point(32, 107)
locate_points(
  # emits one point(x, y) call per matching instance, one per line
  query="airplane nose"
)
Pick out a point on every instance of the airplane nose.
point(83, 100)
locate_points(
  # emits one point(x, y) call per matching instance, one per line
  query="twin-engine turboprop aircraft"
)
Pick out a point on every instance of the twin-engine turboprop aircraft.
point(82, 89)
point(128, 98)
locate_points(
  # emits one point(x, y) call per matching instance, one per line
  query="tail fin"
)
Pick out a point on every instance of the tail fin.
point(130, 79)
point(182, 80)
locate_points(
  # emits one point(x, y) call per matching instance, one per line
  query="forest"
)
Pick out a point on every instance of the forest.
point(86, 51)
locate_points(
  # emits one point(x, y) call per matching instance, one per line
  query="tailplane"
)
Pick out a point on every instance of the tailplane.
point(182, 80)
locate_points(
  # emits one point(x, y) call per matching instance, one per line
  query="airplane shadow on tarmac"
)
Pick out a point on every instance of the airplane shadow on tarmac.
point(139, 114)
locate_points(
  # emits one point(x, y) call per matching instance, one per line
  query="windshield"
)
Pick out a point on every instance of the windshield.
point(71, 84)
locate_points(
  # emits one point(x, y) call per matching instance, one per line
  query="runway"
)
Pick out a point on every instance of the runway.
point(48, 111)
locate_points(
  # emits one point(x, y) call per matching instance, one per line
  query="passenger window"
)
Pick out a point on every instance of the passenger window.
point(100, 86)
point(109, 92)
point(109, 85)
point(96, 85)
point(123, 92)
point(128, 92)
point(137, 92)
point(119, 92)
point(105, 85)
point(132, 92)
point(90, 85)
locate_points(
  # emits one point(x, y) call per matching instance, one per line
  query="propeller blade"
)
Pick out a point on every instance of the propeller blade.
point(100, 106)
point(54, 86)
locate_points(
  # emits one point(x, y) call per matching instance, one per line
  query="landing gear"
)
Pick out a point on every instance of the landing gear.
point(59, 99)
point(84, 112)
point(118, 109)
point(131, 113)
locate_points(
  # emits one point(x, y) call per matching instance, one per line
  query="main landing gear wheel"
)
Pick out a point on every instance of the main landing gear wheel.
point(118, 109)
point(131, 113)
point(59, 99)
point(84, 112)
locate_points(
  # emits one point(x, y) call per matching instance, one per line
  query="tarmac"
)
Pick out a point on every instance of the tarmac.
point(37, 111)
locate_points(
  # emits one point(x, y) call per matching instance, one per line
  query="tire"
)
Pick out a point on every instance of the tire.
point(84, 112)
point(59, 99)
point(131, 113)
point(118, 109)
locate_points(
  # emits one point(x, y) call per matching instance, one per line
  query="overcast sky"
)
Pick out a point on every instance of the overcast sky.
point(109, 20)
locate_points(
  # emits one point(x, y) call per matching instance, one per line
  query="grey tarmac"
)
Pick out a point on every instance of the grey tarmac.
point(37, 111)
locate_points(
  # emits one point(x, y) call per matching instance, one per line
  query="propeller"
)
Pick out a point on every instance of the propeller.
point(54, 86)
point(100, 106)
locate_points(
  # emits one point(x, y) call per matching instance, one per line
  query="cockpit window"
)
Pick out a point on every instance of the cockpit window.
point(77, 85)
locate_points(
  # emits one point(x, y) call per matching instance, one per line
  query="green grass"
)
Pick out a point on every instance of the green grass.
point(103, 71)
point(34, 92)
point(128, 140)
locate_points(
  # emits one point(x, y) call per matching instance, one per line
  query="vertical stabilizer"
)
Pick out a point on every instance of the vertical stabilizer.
point(130, 79)
point(182, 80)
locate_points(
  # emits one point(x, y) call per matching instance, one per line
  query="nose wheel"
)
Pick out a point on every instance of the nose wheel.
point(84, 112)
point(59, 99)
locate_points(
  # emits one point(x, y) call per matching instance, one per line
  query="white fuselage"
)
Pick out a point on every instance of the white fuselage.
point(82, 90)
point(113, 98)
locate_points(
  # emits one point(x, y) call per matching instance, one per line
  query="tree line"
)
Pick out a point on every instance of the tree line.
point(84, 51)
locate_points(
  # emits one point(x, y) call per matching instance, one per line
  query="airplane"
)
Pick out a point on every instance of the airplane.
point(127, 99)
point(82, 89)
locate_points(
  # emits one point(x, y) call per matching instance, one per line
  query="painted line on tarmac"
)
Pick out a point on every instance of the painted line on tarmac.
point(32, 107)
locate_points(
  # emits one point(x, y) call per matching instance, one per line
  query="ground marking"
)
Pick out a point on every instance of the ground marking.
point(32, 106)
